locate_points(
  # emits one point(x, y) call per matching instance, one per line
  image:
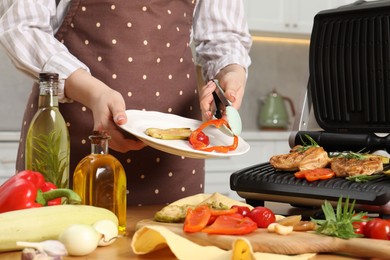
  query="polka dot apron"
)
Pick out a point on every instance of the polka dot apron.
point(141, 49)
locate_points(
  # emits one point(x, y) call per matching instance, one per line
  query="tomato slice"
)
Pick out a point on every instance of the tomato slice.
point(315, 174)
point(234, 224)
point(196, 219)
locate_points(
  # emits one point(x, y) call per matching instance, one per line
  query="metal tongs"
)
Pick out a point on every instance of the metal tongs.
point(224, 107)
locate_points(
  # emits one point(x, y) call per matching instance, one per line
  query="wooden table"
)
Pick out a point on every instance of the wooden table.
point(121, 248)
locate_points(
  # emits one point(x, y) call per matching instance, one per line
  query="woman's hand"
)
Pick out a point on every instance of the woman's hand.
point(107, 106)
point(232, 79)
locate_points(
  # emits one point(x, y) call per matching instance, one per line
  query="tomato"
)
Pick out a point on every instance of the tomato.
point(378, 229)
point(196, 219)
point(262, 216)
point(243, 210)
point(202, 137)
point(315, 174)
point(359, 226)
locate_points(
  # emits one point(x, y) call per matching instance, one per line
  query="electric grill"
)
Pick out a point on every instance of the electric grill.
point(346, 107)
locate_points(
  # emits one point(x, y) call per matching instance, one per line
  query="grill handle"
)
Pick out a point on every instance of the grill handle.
point(338, 142)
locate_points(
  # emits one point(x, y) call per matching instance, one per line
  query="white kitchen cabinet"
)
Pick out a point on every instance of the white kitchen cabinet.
point(262, 146)
point(286, 16)
point(8, 150)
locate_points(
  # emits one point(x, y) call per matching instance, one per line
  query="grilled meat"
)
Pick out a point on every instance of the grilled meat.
point(344, 167)
point(301, 158)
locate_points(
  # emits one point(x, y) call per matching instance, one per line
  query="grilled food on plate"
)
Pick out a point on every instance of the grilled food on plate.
point(301, 158)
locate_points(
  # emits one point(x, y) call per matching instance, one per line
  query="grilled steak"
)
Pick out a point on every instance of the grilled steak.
point(301, 159)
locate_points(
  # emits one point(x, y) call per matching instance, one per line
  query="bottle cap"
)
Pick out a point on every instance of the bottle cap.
point(48, 76)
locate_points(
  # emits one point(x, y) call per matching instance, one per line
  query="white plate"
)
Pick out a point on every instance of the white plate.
point(138, 121)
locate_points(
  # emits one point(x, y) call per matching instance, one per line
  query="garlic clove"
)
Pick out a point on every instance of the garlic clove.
point(108, 230)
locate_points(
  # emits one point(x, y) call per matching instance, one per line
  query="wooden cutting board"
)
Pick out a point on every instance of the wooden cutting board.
point(294, 243)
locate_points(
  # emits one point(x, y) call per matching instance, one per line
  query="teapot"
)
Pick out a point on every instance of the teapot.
point(273, 114)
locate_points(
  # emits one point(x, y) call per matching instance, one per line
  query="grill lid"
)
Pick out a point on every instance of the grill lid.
point(350, 69)
point(349, 91)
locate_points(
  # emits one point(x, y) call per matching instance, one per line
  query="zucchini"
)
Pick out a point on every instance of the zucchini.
point(45, 223)
point(169, 133)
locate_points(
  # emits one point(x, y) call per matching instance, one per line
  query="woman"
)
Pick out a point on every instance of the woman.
point(118, 55)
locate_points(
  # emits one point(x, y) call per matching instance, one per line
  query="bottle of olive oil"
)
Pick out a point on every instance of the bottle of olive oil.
point(47, 142)
point(100, 179)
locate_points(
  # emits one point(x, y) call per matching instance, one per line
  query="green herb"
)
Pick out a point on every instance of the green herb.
point(49, 161)
point(339, 224)
point(350, 155)
point(306, 145)
point(363, 177)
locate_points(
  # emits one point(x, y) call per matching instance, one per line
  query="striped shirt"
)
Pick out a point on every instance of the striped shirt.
point(219, 33)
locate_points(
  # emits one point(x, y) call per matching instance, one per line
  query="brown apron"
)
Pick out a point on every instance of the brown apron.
point(141, 49)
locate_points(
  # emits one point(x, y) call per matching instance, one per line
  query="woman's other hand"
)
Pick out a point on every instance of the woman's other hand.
point(107, 106)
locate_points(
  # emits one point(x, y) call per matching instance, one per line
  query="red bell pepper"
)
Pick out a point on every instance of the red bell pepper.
point(315, 174)
point(196, 219)
point(202, 146)
point(28, 189)
point(232, 224)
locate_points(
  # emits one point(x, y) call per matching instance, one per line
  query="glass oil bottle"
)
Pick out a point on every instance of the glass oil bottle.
point(100, 179)
point(47, 142)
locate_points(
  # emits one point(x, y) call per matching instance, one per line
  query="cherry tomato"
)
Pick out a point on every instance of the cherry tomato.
point(243, 210)
point(262, 216)
point(359, 226)
point(202, 137)
point(378, 229)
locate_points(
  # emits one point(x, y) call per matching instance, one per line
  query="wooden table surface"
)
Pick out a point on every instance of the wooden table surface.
point(121, 248)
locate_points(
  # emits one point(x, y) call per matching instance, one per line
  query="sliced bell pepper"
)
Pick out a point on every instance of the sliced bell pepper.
point(233, 224)
point(196, 219)
point(315, 174)
point(218, 212)
point(28, 189)
point(202, 146)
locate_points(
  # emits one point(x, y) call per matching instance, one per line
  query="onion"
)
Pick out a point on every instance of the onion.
point(80, 239)
point(109, 231)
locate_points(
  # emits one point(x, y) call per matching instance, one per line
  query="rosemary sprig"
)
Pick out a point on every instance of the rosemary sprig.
point(339, 224)
point(306, 145)
point(363, 178)
point(48, 159)
point(350, 155)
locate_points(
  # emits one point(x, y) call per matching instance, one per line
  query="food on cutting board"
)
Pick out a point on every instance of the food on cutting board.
point(176, 211)
point(218, 214)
